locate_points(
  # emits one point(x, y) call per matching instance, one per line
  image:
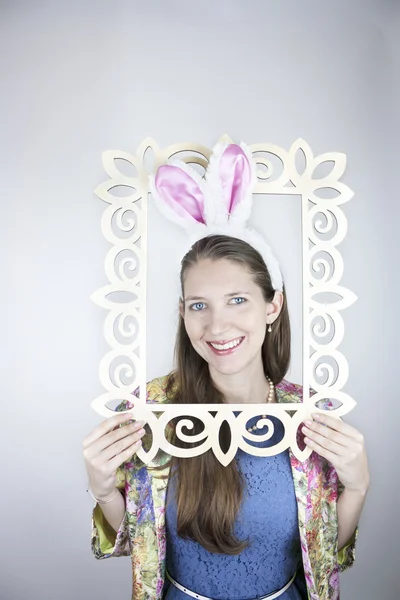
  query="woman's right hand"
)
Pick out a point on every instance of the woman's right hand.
point(106, 448)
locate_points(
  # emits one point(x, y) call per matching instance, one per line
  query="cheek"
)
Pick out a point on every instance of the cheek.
point(193, 328)
point(255, 325)
point(253, 321)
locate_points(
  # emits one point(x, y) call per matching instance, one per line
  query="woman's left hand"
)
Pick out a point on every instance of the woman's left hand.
point(343, 446)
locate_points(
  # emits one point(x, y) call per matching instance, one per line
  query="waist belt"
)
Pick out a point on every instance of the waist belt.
point(270, 596)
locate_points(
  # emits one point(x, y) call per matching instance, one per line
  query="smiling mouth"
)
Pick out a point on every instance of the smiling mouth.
point(224, 347)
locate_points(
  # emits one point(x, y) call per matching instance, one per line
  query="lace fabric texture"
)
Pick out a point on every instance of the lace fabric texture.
point(268, 518)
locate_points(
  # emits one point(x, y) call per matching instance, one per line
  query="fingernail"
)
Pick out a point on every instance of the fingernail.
point(316, 416)
point(308, 422)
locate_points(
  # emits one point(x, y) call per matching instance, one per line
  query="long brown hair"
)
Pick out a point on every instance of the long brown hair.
point(209, 495)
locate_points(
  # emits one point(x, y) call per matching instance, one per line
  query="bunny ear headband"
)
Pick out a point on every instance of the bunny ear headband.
point(218, 204)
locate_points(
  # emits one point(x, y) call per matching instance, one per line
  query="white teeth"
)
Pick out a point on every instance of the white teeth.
point(226, 346)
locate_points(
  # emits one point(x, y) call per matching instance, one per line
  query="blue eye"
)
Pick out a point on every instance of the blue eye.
point(239, 300)
point(197, 306)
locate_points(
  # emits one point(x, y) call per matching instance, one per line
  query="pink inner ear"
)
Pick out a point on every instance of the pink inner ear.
point(235, 173)
point(180, 192)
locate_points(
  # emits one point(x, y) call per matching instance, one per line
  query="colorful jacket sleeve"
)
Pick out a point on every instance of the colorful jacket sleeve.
point(347, 554)
point(105, 541)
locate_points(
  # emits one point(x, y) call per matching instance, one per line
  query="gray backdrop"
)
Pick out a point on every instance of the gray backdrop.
point(81, 77)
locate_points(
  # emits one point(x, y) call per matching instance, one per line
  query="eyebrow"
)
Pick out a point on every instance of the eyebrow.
point(231, 295)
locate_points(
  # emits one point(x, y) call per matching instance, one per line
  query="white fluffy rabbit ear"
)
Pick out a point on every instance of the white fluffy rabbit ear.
point(178, 192)
point(231, 178)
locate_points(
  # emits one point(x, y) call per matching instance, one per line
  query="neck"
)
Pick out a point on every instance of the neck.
point(250, 386)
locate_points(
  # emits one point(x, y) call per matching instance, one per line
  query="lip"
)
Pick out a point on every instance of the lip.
point(229, 350)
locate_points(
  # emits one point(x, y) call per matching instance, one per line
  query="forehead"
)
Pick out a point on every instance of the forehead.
point(217, 276)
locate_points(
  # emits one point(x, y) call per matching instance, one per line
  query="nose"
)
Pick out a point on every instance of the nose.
point(218, 324)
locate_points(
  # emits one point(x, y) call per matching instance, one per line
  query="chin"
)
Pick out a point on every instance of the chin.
point(227, 369)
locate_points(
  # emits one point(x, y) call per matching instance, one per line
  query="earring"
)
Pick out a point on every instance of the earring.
point(269, 328)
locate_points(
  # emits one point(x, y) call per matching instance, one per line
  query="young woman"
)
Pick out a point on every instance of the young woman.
point(262, 527)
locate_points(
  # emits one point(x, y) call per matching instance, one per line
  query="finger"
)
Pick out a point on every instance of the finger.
point(337, 424)
point(324, 452)
point(115, 436)
point(121, 444)
point(325, 441)
point(105, 427)
point(327, 432)
point(124, 456)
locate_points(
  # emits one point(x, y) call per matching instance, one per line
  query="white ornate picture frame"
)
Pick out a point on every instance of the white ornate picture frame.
point(324, 226)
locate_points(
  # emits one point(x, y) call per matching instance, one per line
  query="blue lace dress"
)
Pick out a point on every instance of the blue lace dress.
point(268, 518)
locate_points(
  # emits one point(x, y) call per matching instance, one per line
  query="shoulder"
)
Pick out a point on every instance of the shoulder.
point(293, 392)
point(289, 392)
point(156, 393)
point(156, 390)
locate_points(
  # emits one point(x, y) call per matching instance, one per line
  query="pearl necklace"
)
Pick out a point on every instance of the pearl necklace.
point(269, 400)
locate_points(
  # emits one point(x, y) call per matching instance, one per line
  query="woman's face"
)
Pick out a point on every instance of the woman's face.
point(225, 314)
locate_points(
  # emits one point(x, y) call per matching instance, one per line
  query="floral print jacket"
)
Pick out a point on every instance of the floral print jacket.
point(142, 534)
